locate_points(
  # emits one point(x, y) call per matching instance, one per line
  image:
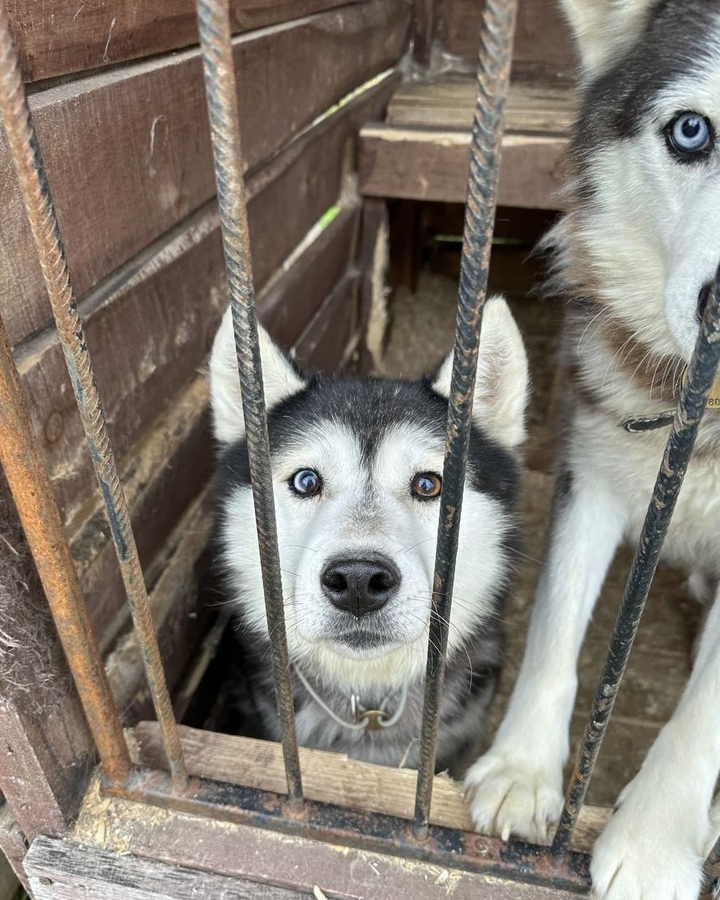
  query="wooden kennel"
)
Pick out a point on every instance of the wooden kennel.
point(342, 107)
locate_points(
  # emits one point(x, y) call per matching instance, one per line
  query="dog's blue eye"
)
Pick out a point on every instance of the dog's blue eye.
point(306, 482)
point(690, 136)
point(426, 486)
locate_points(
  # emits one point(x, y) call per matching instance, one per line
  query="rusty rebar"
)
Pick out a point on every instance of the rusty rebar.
point(40, 211)
point(221, 90)
point(678, 451)
point(496, 38)
point(29, 483)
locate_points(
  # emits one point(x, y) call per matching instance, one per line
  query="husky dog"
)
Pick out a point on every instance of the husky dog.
point(356, 469)
point(635, 256)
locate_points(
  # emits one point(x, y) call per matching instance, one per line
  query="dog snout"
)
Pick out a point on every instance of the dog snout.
point(360, 586)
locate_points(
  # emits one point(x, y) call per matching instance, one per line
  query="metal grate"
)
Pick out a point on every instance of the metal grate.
point(30, 486)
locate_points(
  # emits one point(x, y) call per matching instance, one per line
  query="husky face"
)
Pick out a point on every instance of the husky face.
point(648, 164)
point(357, 470)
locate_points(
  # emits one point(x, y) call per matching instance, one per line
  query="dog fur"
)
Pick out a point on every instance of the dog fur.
point(634, 256)
point(368, 439)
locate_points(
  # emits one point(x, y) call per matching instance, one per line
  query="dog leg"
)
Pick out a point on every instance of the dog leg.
point(516, 787)
point(654, 846)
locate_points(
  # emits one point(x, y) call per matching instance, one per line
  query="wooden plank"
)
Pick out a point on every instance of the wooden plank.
point(419, 164)
point(65, 870)
point(127, 152)
point(47, 752)
point(332, 334)
point(542, 39)
point(240, 851)
point(179, 615)
point(448, 102)
point(329, 778)
point(150, 326)
point(289, 304)
point(161, 478)
point(60, 37)
point(13, 847)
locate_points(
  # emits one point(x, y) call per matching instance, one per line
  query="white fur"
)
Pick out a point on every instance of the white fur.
point(366, 508)
point(649, 233)
point(280, 380)
point(502, 376)
point(363, 513)
point(604, 29)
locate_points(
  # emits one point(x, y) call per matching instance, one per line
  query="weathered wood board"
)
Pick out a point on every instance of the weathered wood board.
point(421, 164)
point(329, 778)
point(448, 102)
point(59, 37)
point(151, 326)
point(65, 870)
point(127, 152)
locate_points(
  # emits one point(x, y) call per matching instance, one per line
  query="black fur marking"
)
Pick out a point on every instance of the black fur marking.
point(369, 409)
point(675, 37)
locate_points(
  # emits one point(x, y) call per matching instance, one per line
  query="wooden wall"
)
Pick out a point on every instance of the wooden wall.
point(128, 159)
point(117, 97)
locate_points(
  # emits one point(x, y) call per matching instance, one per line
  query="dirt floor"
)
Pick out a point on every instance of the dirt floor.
point(421, 332)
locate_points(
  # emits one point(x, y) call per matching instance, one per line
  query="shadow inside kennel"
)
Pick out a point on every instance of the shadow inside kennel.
point(421, 313)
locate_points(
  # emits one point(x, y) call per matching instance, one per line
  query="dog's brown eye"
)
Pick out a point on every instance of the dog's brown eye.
point(426, 486)
point(306, 483)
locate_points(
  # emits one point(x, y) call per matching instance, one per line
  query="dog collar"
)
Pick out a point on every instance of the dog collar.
point(639, 424)
point(363, 719)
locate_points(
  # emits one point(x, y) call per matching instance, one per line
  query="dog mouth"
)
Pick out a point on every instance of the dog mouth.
point(702, 303)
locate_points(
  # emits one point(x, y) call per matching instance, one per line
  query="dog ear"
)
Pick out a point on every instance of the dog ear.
point(502, 381)
point(280, 380)
point(605, 28)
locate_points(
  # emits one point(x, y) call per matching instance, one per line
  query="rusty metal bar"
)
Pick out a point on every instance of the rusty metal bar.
point(221, 90)
point(29, 484)
point(493, 77)
point(43, 223)
point(691, 407)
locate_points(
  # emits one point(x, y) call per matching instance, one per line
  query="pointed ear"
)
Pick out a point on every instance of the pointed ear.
point(280, 380)
point(502, 382)
point(604, 29)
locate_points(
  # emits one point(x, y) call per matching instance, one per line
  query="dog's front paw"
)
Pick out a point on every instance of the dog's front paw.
point(648, 855)
point(509, 795)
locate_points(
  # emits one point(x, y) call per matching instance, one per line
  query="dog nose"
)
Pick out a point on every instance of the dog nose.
point(360, 586)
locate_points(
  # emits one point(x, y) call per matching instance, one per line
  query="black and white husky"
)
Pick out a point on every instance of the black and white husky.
point(635, 256)
point(356, 468)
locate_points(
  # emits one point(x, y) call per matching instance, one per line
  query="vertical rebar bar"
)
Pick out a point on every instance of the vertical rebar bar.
point(29, 483)
point(493, 78)
point(691, 406)
point(711, 887)
point(221, 90)
point(43, 223)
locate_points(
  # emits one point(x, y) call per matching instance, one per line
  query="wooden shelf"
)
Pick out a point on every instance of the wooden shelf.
point(421, 151)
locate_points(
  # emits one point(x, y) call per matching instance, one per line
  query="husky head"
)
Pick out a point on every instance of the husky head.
point(644, 233)
point(356, 466)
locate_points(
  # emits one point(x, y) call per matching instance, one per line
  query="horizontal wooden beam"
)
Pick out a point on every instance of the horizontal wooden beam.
point(66, 869)
point(127, 152)
point(329, 778)
point(426, 164)
point(60, 37)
